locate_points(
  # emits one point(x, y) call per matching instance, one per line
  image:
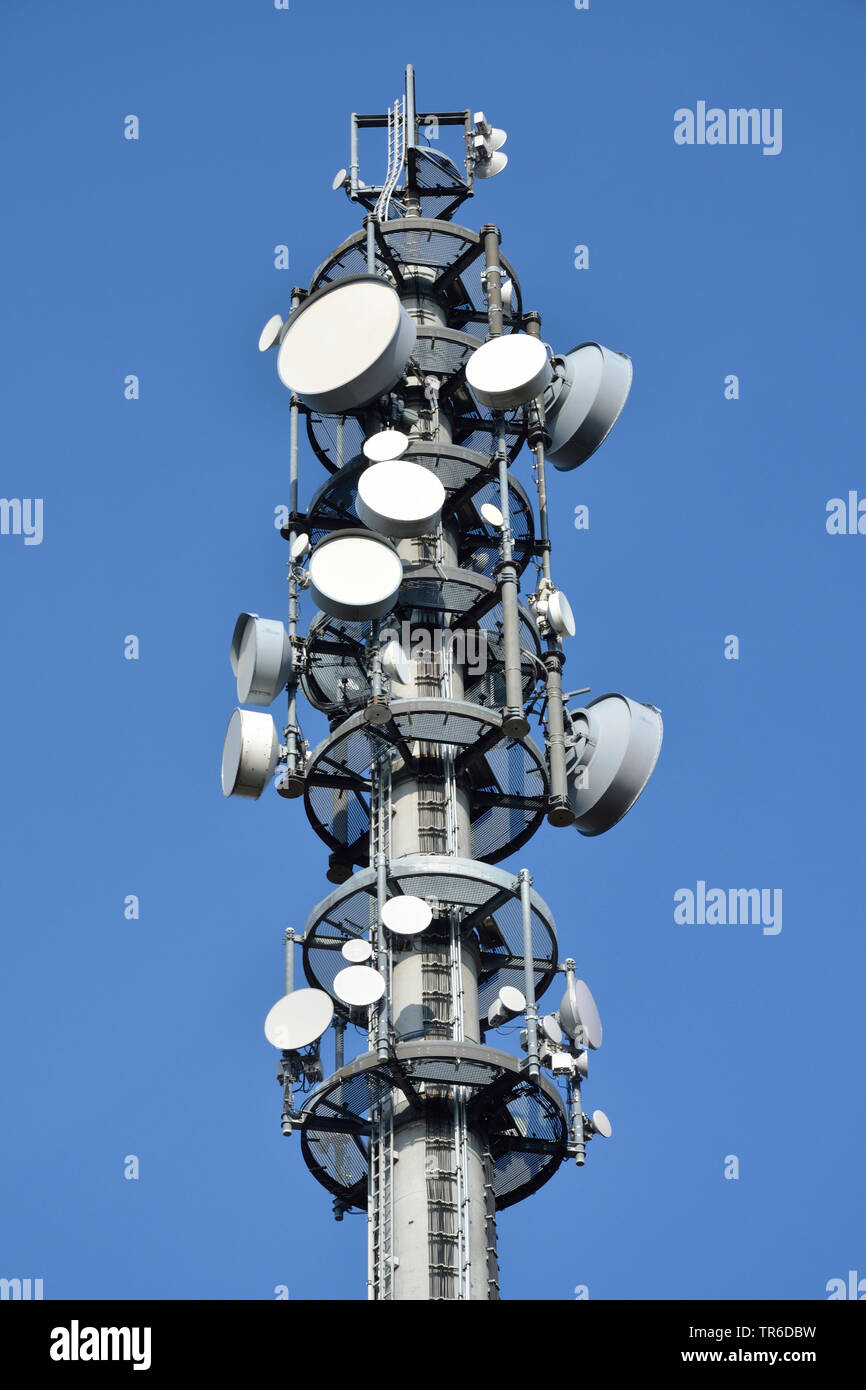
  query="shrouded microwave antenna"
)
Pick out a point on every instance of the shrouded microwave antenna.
point(355, 574)
point(261, 658)
point(406, 915)
point(359, 986)
point(508, 1003)
point(615, 746)
point(346, 344)
point(584, 401)
point(400, 499)
point(356, 952)
point(509, 371)
point(250, 753)
point(385, 445)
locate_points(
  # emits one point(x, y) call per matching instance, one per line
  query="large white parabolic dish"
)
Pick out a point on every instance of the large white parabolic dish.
point(250, 753)
point(584, 402)
point(509, 371)
point(355, 575)
point(617, 744)
point(399, 499)
point(298, 1019)
point(347, 344)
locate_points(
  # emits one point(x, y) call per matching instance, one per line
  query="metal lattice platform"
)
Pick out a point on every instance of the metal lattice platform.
point(523, 1122)
point(455, 254)
point(506, 779)
point(487, 897)
point(333, 508)
point(336, 678)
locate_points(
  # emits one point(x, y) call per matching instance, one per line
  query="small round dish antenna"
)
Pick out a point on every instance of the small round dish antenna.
point(406, 915)
point(492, 515)
point(250, 753)
point(346, 344)
point(399, 499)
point(270, 334)
point(356, 951)
point(359, 986)
point(340, 180)
point(355, 575)
point(299, 1019)
point(578, 1012)
point(507, 1005)
point(387, 444)
point(300, 547)
point(395, 663)
point(559, 613)
point(551, 1029)
point(261, 656)
point(601, 1124)
point(489, 168)
point(509, 371)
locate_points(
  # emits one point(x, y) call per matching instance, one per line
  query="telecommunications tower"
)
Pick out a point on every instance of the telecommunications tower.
point(419, 375)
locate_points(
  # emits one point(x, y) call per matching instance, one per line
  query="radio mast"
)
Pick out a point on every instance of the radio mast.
point(419, 376)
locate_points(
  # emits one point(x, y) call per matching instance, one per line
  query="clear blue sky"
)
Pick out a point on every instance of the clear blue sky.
point(707, 518)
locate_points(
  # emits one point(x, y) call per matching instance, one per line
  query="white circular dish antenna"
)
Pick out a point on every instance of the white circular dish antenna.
point(492, 515)
point(406, 915)
point(347, 344)
point(395, 662)
point(616, 746)
point(488, 168)
point(584, 402)
point(261, 658)
point(601, 1124)
point(270, 334)
point(339, 180)
point(250, 753)
point(551, 1029)
point(359, 986)
point(399, 499)
point(509, 371)
point(387, 444)
point(300, 547)
point(299, 1019)
point(560, 615)
point(507, 1005)
point(578, 1012)
point(355, 575)
point(356, 952)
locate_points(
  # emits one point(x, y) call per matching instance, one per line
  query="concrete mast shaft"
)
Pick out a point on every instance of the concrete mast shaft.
point(443, 1231)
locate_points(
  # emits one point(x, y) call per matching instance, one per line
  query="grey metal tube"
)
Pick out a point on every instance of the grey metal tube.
point(353, 155)
point(493, 278)
point(289, 940)
point(559, 811)
point(410, 106)
point(514, 720)
point(529, 975)
point(369, 224)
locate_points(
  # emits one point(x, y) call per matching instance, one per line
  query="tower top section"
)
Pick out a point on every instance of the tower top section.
point(421, 179)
